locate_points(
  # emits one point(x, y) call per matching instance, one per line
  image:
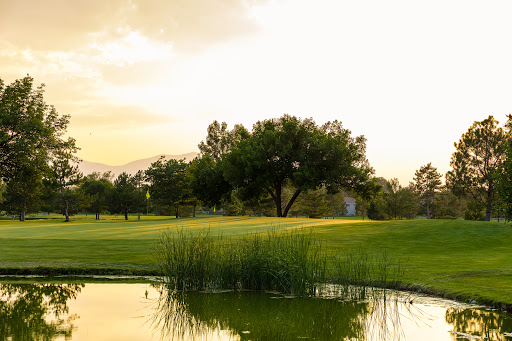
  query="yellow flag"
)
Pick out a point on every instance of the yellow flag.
point(147, 194)
point(213, 209)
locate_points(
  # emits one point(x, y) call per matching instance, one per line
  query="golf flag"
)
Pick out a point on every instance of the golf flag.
point(213, 209)
point(147, 194)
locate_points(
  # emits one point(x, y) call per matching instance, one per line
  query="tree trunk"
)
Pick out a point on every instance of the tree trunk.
point(489, 201)
point(66, 208)
point(277, 199)
point(290, 203)
point(428, 207)
point(176, 211)
point(22, 215)
point(125, 214)
point(194, 213)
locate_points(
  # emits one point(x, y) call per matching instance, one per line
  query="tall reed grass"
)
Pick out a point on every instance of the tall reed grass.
point(293, 262)
point(290, 261)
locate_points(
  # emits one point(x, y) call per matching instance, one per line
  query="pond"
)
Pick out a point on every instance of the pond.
point(115, 311)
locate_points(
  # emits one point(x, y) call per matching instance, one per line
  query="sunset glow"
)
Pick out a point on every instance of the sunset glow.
point(141, 78)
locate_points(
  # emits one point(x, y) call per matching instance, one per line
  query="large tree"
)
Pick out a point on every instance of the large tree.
point(477, 162)
point(298, 153)
point(29, 128)
point(427, 183)
point(31, 133)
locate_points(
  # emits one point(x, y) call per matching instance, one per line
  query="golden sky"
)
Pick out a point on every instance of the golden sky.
point(141, 77)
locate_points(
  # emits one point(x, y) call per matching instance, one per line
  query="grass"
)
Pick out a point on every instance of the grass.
point(453, 258)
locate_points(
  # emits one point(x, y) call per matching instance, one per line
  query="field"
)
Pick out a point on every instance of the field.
point(457, 259)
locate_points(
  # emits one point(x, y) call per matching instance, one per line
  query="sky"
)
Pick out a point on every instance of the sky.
point(146, 77)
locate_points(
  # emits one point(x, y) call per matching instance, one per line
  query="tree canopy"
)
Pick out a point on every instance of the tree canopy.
point(299, 153)
point(31, 138)
point(477, 162)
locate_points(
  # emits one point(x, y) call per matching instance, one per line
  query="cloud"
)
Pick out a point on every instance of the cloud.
point(62, 25)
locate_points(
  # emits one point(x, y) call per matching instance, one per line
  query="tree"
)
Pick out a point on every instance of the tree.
point(168, 183)
point(22, 191)
point(476, 163)
point(313, 203)
point(64, 175)
point(297, 152)
point(448, 205)
point(505, 175)
point(30, 130)
point(207, 181)
point(124, 194)
point(99, 189)
point(427, 183)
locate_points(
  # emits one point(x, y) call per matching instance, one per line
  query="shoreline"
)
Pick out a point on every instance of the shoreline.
point(124, 275)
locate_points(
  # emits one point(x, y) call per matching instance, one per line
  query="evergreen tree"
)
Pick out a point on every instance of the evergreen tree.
point(427, 183)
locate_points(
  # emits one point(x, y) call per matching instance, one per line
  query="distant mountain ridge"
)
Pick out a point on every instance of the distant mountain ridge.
point(87, 167)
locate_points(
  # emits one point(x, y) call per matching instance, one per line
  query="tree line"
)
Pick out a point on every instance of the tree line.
point(285, 166)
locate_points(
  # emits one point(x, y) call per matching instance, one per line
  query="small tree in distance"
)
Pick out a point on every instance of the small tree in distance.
point(427, 183)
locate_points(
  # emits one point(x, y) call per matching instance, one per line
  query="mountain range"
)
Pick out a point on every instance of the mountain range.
point(87, 167)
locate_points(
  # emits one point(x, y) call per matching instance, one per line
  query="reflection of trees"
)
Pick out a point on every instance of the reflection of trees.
point(261, 316)
point(488, 324)
point(36, 311)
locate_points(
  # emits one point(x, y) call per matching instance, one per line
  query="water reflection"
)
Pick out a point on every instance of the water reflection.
point(36, 311)
point(475, 323)
point(116, 311)
point(268, 316)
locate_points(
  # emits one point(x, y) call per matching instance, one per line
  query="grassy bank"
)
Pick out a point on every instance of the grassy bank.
point(456, 259)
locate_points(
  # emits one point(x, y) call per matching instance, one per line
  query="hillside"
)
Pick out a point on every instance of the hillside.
point(87, 167)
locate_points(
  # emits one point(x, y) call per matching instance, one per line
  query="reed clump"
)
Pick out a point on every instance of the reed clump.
point(290, 261)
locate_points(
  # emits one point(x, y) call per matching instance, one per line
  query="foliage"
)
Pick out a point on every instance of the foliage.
point(207, 182)
point(220, 140)
point(64, 176)
point(448, 205)
point(476, 163)
point(313, 203)
point(99, 189)
point(376, 210)
point(168, 184)
point(474, 211)
point(427, 183)
point(505, 176)
point(299, 153)
point(395, 202)
point(125, 194)
point(31, 134)
point(22, 191)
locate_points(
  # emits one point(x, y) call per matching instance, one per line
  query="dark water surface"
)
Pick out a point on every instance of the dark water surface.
point(114, 311)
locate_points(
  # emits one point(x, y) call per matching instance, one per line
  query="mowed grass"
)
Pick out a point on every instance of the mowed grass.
point(112, 244)
point(454, 258)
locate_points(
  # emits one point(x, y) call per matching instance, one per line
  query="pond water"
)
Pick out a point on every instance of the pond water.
point(114, 311)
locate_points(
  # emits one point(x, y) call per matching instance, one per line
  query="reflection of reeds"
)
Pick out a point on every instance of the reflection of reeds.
point(256, 315)
point(359, 273)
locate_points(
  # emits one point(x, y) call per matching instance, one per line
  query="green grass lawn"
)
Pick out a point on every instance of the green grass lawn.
point(455, 258)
